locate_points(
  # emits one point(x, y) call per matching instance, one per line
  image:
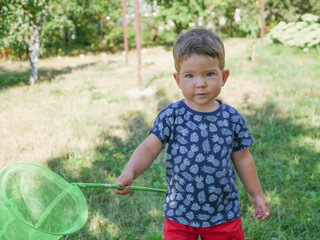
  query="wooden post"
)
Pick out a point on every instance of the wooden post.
point(138, 41)
point(125, 36)
point(262, 21)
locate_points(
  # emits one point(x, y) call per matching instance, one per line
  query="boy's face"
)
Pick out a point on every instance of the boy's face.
point(200, 80)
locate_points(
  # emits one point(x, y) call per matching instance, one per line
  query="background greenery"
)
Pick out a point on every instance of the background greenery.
point(304, 34)
point(76, 26)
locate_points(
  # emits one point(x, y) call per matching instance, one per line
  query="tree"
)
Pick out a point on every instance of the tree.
point(95, 24)
point(21, 29)
point(182, 13)
point(24, 24)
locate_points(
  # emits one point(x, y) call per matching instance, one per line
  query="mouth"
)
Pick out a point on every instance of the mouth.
point(201, 94)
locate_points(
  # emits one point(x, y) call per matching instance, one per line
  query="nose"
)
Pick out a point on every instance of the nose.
point(200, 82)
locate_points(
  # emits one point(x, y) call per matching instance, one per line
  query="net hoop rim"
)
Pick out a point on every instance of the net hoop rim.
point(3, 196)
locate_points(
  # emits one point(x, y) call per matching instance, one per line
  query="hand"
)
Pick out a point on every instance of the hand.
point(124, 179)
point(261, 207)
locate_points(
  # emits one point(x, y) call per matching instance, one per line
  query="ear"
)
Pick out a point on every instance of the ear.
point(225, 76)
point(176, 77)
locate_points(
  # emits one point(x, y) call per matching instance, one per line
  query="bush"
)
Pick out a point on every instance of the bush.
point(304, 34)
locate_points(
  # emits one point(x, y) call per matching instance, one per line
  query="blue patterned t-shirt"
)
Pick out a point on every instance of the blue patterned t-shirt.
point(201, 189)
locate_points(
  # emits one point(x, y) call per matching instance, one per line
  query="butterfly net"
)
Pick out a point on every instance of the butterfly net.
point(36, 203)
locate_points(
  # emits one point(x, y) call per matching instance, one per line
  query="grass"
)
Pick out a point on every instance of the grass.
point(80, 122)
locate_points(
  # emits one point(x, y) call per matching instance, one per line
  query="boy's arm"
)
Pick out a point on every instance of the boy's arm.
point(247, 173)
point(140, 160)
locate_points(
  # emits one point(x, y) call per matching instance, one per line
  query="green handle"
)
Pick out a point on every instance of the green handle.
point(115, 186)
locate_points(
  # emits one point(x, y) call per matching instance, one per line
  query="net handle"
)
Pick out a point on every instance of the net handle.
point(115, 186)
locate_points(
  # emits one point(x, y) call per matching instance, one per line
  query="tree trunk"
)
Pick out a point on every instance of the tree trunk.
point(34, 57)
point(66, 37)
point(34, 47)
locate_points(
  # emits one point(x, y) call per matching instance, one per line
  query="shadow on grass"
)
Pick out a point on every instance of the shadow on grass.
point(135, 216)
point(111, 216)
point(11, 78)
point(287, 162)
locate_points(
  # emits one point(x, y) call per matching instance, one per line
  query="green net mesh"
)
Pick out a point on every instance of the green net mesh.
point(36, 203)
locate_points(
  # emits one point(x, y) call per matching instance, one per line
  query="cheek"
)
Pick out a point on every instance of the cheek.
point(216, 88)
point(186, 86)
point(187, 82)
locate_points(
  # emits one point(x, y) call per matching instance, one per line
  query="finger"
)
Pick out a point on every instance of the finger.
point(124, 191)
point(120, 181)
point(257, 214)
point(123, 181)
point(127, 190)
point(266, 214)
point(261, 214)
point(117, 191)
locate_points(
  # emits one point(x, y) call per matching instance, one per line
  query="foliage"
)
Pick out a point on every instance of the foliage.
point(228, 17)
point(97, 25)
point(238, 18)
point(56, 29)
point(91, 23)
point(180, 14)
point(303, 34)
point(18, 21)
point(95, 20)
point(289, 10)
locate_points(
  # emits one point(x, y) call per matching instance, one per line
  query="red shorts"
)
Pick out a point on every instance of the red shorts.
point(229, 230)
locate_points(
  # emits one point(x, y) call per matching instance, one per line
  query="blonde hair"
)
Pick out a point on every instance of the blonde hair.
point(201, 42)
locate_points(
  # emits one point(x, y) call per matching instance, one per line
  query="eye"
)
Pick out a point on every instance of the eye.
point(210, 74)
point(189, 75)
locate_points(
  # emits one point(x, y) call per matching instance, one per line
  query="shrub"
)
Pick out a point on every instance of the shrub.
point(304, 34)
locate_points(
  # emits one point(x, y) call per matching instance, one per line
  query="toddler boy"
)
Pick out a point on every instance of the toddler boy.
point(205, 139)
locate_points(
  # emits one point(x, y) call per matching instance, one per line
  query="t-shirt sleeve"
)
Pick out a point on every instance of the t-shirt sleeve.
point(162, 125)
point(242, 137)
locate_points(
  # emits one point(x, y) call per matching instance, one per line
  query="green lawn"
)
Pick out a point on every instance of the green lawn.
point(80, 122)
